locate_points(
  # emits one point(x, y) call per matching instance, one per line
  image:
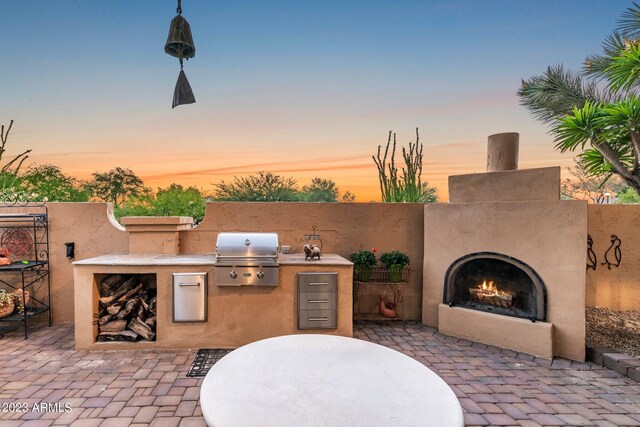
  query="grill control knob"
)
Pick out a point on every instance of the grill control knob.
point(233, 274)
point(260, 274)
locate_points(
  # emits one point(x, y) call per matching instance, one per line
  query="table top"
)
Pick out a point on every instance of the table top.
point(324, 380)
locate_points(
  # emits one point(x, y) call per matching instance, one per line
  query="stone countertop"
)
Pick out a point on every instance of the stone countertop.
point(157, 259)
point(148, 259)
point(325, 259)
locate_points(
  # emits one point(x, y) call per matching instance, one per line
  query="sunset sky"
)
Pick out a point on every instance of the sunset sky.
point(299, 88)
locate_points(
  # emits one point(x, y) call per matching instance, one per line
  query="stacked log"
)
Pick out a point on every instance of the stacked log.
point(127, 310)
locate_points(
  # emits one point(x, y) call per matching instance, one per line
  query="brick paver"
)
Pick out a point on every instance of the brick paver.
point(149, 387)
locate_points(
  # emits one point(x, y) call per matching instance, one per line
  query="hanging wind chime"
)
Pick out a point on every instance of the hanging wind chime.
point(180, 44)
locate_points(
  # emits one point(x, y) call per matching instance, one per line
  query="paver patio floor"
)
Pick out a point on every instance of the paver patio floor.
point(149, 387)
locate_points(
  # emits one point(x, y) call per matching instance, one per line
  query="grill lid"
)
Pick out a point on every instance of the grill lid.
point(247, 245)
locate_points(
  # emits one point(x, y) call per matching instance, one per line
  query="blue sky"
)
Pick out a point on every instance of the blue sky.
point(296, 87)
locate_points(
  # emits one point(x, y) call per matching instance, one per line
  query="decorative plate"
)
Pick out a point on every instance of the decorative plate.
point(19, 243)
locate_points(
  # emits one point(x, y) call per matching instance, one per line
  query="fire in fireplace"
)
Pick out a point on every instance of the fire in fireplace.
point(495, 283)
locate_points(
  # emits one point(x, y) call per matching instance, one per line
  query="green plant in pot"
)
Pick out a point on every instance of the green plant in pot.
point(395, 262)
point(363, 262)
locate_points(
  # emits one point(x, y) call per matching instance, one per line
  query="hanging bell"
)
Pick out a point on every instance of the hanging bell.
point(180, 42)
point(182, 93)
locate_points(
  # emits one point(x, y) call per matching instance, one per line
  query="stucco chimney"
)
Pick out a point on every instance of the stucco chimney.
point(155, 235)
point(502, 152)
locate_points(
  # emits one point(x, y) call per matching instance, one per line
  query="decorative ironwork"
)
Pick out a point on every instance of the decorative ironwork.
point(592, 260)
point(9, 199)
point(313, 235)
point(24, 232)
point(613, 255)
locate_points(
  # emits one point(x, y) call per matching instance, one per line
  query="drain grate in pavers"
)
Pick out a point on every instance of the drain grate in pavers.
point(205, 359)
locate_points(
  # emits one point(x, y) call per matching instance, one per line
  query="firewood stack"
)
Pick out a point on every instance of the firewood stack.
point(127, 309)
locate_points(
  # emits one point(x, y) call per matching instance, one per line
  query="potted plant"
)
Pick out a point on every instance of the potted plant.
point(363, 262)
point(395, 262)
point(6, 303)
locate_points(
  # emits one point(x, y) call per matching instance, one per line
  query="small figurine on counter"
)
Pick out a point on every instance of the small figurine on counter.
point(311, 251)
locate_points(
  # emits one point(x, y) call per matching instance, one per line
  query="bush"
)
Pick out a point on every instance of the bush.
point(364, 259)
point(394, 258)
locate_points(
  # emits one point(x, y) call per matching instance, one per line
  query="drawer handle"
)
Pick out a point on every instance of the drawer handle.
point(318, 301)
point(318, 283)
point(189, 284)
point(318, 319)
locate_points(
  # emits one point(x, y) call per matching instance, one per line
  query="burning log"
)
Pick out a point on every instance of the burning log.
point(488, 293)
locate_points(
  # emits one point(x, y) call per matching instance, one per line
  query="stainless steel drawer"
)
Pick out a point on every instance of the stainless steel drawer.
point(317, 282)
point(189, 297)
point(317, 319)
point(317, 301)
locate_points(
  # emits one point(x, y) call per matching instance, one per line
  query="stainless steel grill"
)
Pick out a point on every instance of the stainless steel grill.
point(247, 259)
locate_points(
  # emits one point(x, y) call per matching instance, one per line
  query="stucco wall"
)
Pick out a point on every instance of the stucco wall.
point(343, 227)
point(550, 236)
point(506, 186)
point(94, 231)
point(617, 288)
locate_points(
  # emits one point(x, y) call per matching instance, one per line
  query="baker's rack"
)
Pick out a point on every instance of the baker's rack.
point(390, 281)
point(27, 223)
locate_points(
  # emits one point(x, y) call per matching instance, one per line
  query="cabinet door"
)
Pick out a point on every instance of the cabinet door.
point(189, 297)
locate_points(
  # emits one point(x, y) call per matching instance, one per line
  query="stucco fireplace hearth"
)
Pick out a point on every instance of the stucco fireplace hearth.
point(509, 231)
point(496, 283)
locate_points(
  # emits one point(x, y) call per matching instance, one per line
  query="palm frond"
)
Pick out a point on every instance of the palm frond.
point(579, 128)
point(629, 22)
point(623, 71)
point(556, 93)
point(595, 66)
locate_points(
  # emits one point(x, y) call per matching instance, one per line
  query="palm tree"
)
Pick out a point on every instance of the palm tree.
point(596, 110)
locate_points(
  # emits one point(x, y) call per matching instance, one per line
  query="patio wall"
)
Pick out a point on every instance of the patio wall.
point(343, 228)
point(617, 288)
point(94, 230)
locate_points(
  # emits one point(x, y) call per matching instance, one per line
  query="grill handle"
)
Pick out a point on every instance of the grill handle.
point(318, 301)
point(318, 319)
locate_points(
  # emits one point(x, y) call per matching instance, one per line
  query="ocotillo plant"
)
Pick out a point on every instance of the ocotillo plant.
point(9, 172)
point(409, 187)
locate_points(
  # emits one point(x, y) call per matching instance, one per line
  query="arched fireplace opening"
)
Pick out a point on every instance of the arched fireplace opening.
point(496, 283)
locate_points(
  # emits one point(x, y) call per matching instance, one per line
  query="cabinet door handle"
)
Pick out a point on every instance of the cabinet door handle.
point(318, 283)
point(189, 284)
point(318, 301)
point(318, 319)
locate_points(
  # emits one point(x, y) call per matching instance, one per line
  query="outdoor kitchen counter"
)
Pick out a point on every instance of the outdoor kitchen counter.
point(325, 260)
point(236, 315)
point(150, 259)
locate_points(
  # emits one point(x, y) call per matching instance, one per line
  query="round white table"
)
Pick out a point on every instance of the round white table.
point(324, 380)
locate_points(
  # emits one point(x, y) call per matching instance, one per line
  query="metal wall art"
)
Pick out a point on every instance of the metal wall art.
point(613, 255)
point(592, 260)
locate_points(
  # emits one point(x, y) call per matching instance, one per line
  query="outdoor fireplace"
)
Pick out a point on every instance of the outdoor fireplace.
point(495, 283)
